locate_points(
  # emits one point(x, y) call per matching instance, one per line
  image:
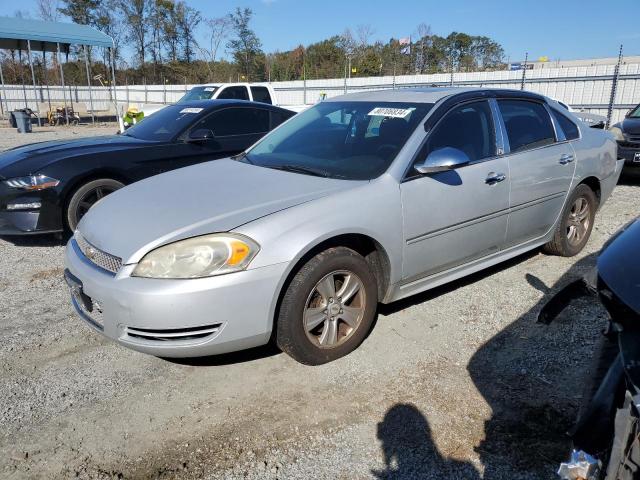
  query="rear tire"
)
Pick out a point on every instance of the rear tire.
point(328, 308)
point(575, 224)
point(86, 196)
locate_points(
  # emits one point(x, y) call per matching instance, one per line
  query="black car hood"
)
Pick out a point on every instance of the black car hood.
point(34, 157)
point(619, 265)
point(631, 126)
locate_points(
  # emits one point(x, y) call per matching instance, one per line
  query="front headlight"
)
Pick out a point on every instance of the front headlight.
point(617, 133)
point(199, 257)
point(32, 182)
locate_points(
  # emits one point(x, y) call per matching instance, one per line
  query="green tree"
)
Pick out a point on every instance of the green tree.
point(245, 46)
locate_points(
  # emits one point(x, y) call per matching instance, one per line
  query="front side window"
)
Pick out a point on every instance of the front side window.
point(468, 128)
point(234, 93)
point(236, 121)
point(349, 140)
point(569, 128)
point(261, 94)
point(528, 124)
point(198, 93)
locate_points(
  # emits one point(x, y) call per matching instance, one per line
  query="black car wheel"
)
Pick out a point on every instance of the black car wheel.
point(575, 225)
point(328, 308)
point(86, 196)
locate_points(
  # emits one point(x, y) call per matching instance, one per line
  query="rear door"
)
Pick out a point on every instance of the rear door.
point(454, 217)
point(541, 166)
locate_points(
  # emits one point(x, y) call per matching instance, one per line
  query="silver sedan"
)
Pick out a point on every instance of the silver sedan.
point(364, 198)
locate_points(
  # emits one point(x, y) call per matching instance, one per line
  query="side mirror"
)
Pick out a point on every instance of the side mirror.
point(200, 135)
point(441, 160)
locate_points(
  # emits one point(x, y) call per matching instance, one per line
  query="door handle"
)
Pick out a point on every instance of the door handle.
point(494, 178)
point(566, 158)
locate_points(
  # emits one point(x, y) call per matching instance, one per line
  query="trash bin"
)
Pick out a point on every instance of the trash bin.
point(23, 121)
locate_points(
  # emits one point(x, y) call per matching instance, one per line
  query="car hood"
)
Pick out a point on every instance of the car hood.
point(631, 126)
point(619, 264)
point(33, 158)
point(215, 196)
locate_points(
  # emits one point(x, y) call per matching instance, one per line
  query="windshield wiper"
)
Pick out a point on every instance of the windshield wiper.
point(242, 156)
point(301, 169)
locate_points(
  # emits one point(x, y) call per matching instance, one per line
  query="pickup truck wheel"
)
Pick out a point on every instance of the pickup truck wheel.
point(328, 308)
point(86, 196)
point(575, 224)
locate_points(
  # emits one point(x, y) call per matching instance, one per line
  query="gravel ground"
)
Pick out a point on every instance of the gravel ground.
point(457, 383)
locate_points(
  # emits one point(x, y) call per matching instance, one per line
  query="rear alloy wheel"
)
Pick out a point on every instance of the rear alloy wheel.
point(86, 196)
point(575, 225)
point(328, 308)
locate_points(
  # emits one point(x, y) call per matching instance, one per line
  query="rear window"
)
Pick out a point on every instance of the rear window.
point(234, 93)
point(528, 124)
point(261, 94)
point(569, 128)
point(198, 93)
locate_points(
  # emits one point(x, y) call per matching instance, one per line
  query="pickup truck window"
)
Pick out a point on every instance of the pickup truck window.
point(234, 93)
point(261, 94)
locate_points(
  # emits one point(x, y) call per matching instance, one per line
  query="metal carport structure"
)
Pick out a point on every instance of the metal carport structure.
point(35, 35)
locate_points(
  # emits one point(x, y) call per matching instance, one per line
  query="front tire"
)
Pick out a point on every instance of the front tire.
point(86, 196)
point(328, 308)
point(575, 224)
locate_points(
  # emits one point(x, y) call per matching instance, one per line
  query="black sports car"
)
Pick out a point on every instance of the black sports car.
point(47, 187)
point(627, 134)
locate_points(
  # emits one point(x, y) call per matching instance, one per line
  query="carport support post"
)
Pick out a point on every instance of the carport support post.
point(33, 79)
point(86, 65)
point(64, 93)
point(24, 90)
point(614, 87)
point(113, 83)
point(4, 93)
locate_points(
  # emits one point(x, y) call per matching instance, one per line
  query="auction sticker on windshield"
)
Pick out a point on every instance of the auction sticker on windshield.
point(191, 110)
point(390, 112)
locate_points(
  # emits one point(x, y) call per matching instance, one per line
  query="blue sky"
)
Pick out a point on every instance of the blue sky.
point(559, 29)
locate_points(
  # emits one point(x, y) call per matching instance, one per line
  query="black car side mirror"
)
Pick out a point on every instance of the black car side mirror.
point(443, 159)
point(200, 135)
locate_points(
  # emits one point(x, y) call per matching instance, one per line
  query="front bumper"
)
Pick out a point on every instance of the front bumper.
point(175, 318)
point(630, 153)
point(46, 219)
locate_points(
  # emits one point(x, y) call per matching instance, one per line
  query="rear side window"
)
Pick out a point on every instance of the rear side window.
point(235, 93)
point(528, 124)
point(279, 117)
point(237, 121)
point(569, 128)
point(469, 128)
point(261, 94)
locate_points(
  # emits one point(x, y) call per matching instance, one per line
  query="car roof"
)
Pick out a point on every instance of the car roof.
point(429, 95)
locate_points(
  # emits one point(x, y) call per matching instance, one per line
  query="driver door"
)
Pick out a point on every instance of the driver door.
point(454, 217)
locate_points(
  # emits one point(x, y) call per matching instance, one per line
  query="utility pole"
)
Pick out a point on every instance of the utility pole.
point(524, 70)
point(614, 87)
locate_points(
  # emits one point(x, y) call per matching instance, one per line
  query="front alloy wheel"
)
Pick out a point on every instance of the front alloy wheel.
point(328, 308)
point(86, 196)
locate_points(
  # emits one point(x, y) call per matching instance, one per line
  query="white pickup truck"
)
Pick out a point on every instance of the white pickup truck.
point(257, 92)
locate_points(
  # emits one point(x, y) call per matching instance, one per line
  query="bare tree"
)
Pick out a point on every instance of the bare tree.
point(422, 45)
point(364, 34)
point(48, 10)
point(218, 31)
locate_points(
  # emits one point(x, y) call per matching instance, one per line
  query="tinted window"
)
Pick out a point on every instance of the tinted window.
point(528, 124)
point(198, 93)
point(351, 140)
point(279, 117)
point(235, 93)
point(568, 127)
point(469, 128)
point(236, 121)
point(261, 94)
point(635, 113)
point(166, 123)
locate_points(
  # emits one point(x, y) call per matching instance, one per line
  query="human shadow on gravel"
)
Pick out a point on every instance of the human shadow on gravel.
point(409, 451)
point(532, 376)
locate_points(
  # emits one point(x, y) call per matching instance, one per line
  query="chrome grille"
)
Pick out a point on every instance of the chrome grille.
point(96, 256)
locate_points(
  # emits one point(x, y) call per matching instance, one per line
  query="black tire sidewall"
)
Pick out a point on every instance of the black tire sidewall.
point(568, 249)
point(290, 333)
point(80, 192)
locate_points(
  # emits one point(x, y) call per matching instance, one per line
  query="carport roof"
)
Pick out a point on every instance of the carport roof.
point(44, 36)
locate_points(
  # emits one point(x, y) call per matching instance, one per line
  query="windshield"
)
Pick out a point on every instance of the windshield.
point(635, 113)
point(165, 124)
point(198, 93)
point(350, 140)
